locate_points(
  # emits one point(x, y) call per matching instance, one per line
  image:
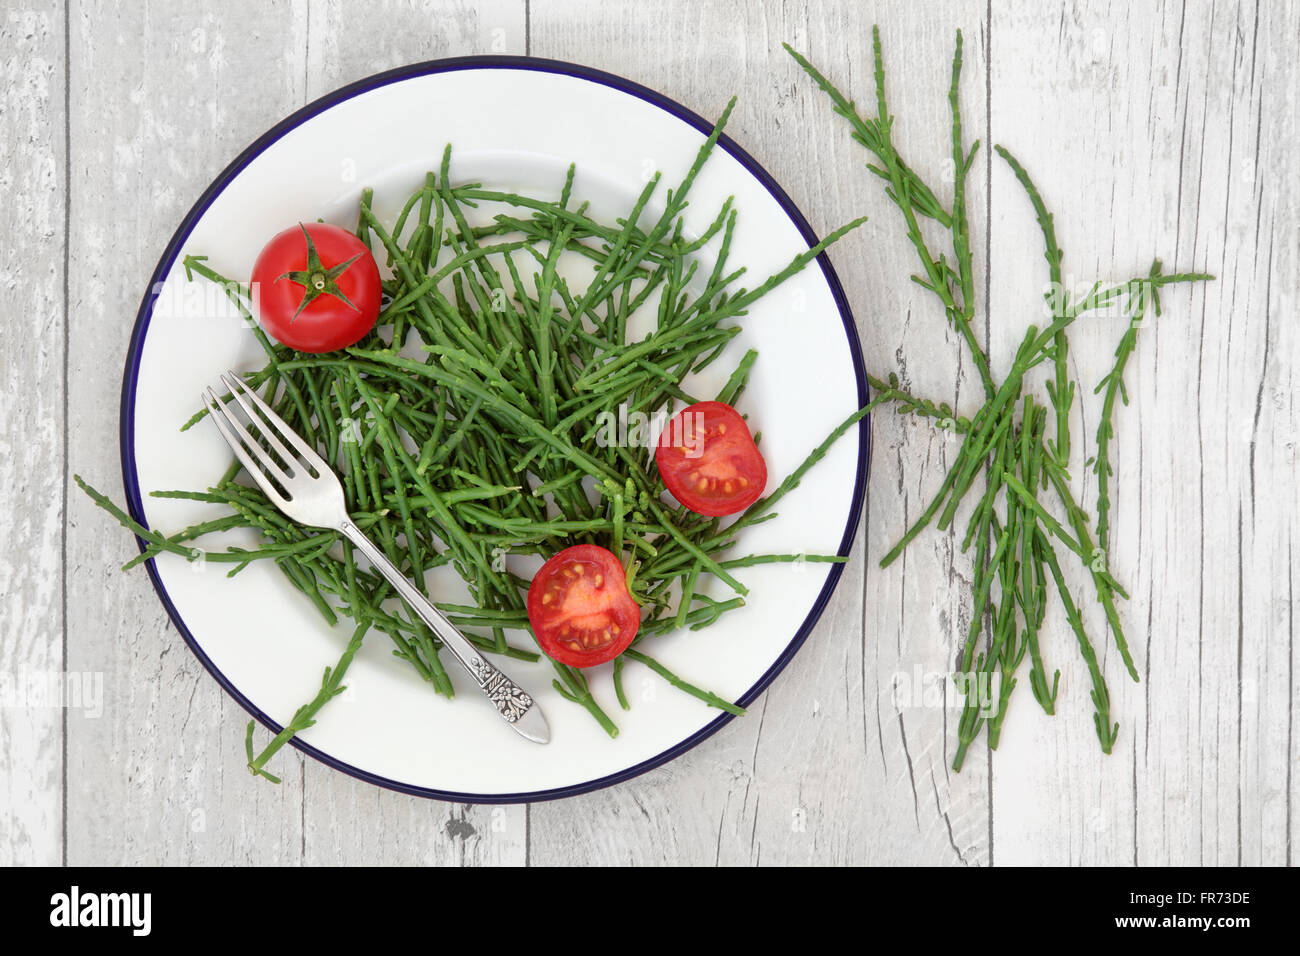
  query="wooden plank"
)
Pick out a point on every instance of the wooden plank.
point(1155, 130)
point(161, 778)
point(924, 598)
point(1056, 797)
point(789, 783)
point(346, 42)
point(32, 453)
point(1259, 262)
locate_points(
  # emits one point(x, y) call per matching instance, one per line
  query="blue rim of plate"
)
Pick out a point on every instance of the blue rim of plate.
point(453, 64)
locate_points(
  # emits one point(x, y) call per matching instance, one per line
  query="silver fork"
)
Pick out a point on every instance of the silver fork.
point(317, 500)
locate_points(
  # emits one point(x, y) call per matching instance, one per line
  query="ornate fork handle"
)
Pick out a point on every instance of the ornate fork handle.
point(514, 705)
point(511, 700)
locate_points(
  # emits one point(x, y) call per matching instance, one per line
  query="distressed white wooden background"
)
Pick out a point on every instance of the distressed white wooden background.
point(1153, 128)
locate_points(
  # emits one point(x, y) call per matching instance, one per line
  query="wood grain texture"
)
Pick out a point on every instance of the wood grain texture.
point(1164, 137)
point(31, 438)
point(1163, 129)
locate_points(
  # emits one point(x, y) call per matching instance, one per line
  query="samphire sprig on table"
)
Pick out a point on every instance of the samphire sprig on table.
point(1017, 445)
point(464, 427)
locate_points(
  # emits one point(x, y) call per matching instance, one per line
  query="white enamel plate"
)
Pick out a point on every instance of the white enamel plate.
point(514, 124)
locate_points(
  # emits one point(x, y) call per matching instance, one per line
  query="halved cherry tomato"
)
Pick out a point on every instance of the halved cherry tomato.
point(316, 288)
point(580, 607)
point(709, 461)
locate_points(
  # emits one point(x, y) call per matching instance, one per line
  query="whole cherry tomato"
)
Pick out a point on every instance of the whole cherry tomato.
point(316, 288)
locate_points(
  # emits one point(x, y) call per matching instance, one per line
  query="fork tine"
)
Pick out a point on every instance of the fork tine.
point(269, 431)
point(245, 448)
point(241, 389)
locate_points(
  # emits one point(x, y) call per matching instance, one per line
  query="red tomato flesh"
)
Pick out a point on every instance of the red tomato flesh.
point(580, 607)
point(709, 461)
point(318, 297)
